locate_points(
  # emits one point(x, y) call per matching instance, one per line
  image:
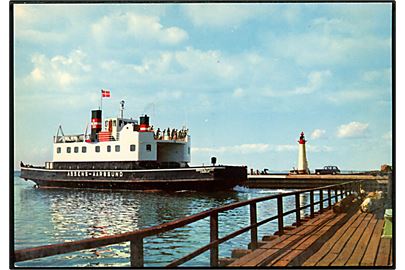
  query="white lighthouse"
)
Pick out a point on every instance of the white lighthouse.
point(302, 156)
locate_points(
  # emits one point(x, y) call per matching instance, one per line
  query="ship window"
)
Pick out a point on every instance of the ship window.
point(132, 147)
point(117, 148)
point(148, 147)
point(188, 150)
point(106, 123)
point(84, 149)
point(68, 150)
point(58, 150)
point(108, 148)
point(98, 148)
point(114, 123)
point(76, 149)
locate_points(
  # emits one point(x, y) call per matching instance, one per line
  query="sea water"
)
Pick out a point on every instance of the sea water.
point(51, 216)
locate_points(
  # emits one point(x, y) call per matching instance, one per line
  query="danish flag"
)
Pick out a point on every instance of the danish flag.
point(105, 93)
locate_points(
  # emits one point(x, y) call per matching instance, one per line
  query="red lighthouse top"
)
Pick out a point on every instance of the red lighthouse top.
point(302, 138)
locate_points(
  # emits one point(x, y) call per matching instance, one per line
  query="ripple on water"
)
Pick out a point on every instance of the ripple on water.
point(49, 216)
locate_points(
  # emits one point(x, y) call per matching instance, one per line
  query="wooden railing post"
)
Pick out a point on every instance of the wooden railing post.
point(321, 201)
point(341, 192)
point(329, 198)
point(311, 203)
point(253, 221)
point(136, 250)
point(297, 209)
point(213, 237)
point(280, 215)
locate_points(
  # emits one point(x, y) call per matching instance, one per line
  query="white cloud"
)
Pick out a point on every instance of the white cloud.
point(259, 148)
point(317, 134)
point(345, 96)
point(139, 27)
point(193, 64)
point(315, 80)
point(352, 130)
point(57, 72)
point(219, 14)
point(330, 42)
point(246, 148)
point(387, 136)
point(319, 149)
point(238, 92)
point(37, 74)
point(377, 75)
point(242, 149)
point(168, 95)
point(212, 61)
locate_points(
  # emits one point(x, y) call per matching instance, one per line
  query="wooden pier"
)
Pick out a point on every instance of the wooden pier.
point(336, 240)
point(321, 238)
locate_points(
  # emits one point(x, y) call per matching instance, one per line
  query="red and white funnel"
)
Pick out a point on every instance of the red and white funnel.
point(144, 123)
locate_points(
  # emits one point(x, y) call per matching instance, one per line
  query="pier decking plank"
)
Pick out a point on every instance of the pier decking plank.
point(276, 247)
point(345, 254)
point(371, 252)
point(383, 255)
point(352, 239)
point(257, 256)
point(314, 259)
point(289, 251)
point(345, 236)
point(360, 249)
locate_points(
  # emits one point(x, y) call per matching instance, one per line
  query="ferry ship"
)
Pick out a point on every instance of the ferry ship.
point(122, 153)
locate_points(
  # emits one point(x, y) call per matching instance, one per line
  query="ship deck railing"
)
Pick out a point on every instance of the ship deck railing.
point(326, 195)
point(70, 138)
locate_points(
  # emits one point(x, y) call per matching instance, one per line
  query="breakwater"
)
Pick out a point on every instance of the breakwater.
point(302, 181)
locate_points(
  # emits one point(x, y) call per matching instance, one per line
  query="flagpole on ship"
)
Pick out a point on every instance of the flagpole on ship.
point(101, 100)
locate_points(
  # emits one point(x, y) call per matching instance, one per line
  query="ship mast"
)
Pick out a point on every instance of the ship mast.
point(122, 108)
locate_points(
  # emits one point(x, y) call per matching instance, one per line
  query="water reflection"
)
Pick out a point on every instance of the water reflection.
point(48, 216)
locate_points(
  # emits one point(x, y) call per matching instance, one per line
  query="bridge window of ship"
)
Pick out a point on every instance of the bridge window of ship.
point(148, 147)
point(76, 149)
point(68, 150)
point(58, 150)
point(84, 149)
point(114, 123)
point(108, 148)
point(117, 148)
point(132, 147)
point(98, 148)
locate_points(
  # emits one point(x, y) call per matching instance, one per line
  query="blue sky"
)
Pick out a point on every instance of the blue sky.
point(245, 78)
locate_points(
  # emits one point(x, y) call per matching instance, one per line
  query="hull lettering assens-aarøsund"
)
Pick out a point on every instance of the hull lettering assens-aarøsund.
point(122, 153)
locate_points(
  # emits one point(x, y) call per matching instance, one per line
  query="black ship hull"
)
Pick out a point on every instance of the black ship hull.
point(209, 178)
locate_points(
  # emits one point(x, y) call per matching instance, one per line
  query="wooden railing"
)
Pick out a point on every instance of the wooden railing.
point(136, 237)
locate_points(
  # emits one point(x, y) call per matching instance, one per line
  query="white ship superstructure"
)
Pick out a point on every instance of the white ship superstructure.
point(123, 139)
